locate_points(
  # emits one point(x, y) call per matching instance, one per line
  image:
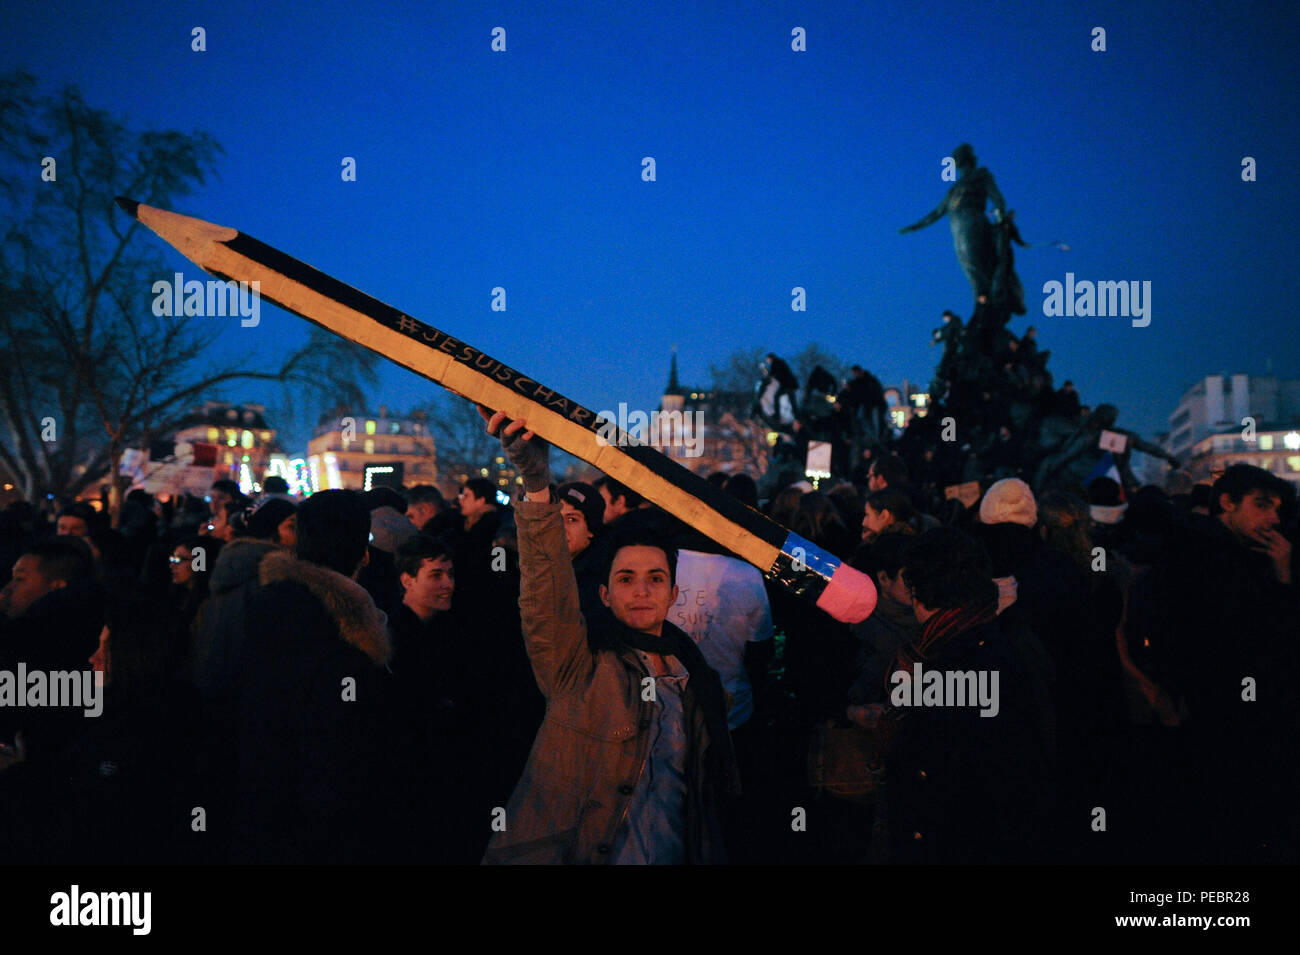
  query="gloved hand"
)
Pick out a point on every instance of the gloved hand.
point(527, 453)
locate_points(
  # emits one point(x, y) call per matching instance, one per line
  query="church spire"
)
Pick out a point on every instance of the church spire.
point(674, 386)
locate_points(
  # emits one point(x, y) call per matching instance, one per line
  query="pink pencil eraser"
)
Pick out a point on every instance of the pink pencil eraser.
point(850, 595)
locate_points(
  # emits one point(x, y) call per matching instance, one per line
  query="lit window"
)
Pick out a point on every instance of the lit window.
point(1292, 441)
point(1266, 442)
point(246, 439)
point(370, 444)
point(1293, 462)
point(214, 435)
point(370, 427)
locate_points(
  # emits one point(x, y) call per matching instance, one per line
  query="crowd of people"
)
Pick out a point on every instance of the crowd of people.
point(390, 676)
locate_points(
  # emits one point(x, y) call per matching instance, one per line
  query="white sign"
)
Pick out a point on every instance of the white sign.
point(819, 459)
point(1113, 441)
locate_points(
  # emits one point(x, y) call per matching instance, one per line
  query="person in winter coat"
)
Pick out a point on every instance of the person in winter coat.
point(1215, 625)
point(634, 753)
point(53, 613)
point(969, 778)
point(448, 695)
point(314, 727)
point(190, 566)
point(219, 630)
point(891, 625)
point(124, 790)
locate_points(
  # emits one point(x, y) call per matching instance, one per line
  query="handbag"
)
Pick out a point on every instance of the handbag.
point(843, 762)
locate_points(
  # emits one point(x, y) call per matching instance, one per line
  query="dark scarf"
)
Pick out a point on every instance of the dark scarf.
point(605, 632)
point(936, 634)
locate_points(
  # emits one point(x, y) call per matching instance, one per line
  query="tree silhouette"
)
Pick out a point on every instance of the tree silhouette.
point(90, 370)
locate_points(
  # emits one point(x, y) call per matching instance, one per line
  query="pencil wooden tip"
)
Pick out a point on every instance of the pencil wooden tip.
point(129, 206)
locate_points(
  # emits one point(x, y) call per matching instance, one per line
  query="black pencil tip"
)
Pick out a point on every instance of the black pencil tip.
point(129, 206)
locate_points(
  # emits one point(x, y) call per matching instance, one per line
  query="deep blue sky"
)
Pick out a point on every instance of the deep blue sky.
point(775, 169)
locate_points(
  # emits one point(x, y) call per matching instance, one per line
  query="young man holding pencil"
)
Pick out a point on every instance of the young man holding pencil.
point(634, 753)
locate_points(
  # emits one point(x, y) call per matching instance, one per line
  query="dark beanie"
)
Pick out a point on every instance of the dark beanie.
point(1106, 502)
point(267, 516)
point(586, 499)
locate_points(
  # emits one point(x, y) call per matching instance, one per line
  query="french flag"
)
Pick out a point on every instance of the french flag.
point(1105, 467)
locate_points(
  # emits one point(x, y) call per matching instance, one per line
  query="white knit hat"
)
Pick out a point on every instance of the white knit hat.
point(1009, 501)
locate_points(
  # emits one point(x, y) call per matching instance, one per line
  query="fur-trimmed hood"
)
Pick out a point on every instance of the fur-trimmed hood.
point(361, 623)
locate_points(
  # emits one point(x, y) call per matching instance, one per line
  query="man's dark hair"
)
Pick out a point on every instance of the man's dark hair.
point(891, 469)
point(846, 497)
point(481, 488)
point(425, 494)
point(333, 530)
point(81, 510)
point(884, 555)
point(818, 520)
point(385, 497)
point(743, 488)
point(68, 559)
point(638, 537)
point(894, 501)
point(631, 498)
point(140, 496)
point(719, 479)
point(1240, 480)
point(237, 514)
point(275, 485)
point(227, 486)
point(414, 551)
point(946, 568)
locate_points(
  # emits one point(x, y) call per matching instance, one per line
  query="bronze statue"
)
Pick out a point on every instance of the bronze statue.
point(1079, 456)
point(973, 235)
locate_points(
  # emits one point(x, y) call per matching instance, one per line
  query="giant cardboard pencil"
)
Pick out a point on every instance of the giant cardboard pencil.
point(794, 563)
